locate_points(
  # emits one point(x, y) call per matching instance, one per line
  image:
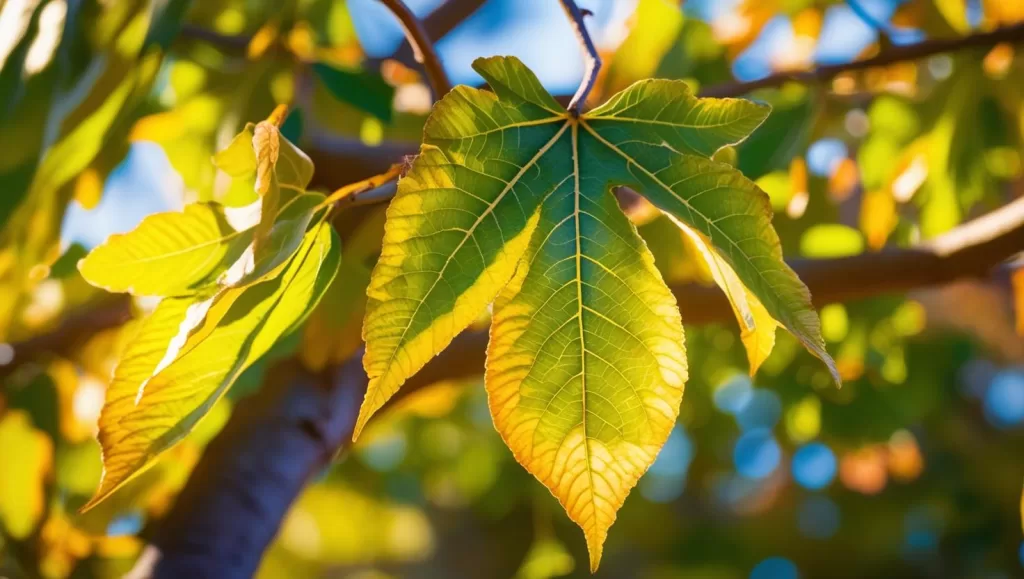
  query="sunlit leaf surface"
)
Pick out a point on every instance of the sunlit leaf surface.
point(169, 253)
point(510, 199)
point(164, 384)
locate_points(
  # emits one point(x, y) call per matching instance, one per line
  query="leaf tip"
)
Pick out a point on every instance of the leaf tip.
point(364, 416)
point(102, 493)
point(595, 546)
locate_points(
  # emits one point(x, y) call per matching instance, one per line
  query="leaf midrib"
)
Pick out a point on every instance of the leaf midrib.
point(579, 311)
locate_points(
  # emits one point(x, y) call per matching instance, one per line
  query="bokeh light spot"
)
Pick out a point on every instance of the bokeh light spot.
point(757, 454)
point(825, 155)
point(762, 411)
point(1004, 400)
point(732, 396)
point(814, 466)
point(775, 568)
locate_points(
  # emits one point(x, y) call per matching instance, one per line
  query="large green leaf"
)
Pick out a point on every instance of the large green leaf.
point(167, 380)
point(511, 199)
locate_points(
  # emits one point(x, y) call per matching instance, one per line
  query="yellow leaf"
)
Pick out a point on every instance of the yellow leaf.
point(757, 327)
point(266, 142)
point(28, 458)
point(170, 377)
point(334, 330)
point(511, 200)
point(655, 26)
point(262, 40)
point(878, 217)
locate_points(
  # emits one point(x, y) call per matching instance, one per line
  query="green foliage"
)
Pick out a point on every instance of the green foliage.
point(510, 201)
point(569, 239)
point(231, 292)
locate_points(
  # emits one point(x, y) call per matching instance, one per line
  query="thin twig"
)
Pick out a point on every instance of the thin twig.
point(1010, 34)
point(883, 28)
point(591, 59)
point(423, 47)
point(368, 190)
point(438, 23)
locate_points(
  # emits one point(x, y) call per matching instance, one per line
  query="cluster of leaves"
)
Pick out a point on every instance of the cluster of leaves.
point(509, 201)
point(233, 282)
point(457, 240)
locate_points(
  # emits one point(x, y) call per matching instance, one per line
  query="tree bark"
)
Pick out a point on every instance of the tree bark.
point(234, 502)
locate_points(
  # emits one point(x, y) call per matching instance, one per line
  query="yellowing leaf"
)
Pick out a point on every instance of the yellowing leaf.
point(586, 366)
point(266, 142)
point(164, 384)
point(757, 327)
point(170, 253)
point(511, 199)
point(955, 13)
point(28, 457)
point(878, 217)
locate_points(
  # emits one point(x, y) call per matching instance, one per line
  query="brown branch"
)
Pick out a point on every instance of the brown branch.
point(227, 42)
point(438, 24)
point(74, 330)
point(423, 47)
point(1010, 34)
point(591, 59)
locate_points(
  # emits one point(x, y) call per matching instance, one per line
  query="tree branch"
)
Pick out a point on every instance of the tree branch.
point(248, 477)
point(423, 47)
point(74, 330)
point(591, 59)
point(438, 24)
point(1011, 34)
point(273, 444)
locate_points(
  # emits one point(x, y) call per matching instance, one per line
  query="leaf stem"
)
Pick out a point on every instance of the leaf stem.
point(368, 191)
point(423, 47)
point(591, 59)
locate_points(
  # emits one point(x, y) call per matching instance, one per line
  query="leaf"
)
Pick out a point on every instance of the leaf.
point(170, 254)
point(287, 232)
point(511, 199)
point(757, 328)
point(586, 365)
point(165, 384)
point(366, 91)
point(240, 160)
point(333, 332)
point(28, 459)
point(712, 198)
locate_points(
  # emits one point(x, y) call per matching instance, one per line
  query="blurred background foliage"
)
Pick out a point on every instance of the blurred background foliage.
point(111, 110)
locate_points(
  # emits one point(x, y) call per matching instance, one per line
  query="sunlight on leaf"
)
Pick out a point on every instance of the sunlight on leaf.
point(168, 253)
point(156, 398)
point(510, 201)
point(757, 328)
